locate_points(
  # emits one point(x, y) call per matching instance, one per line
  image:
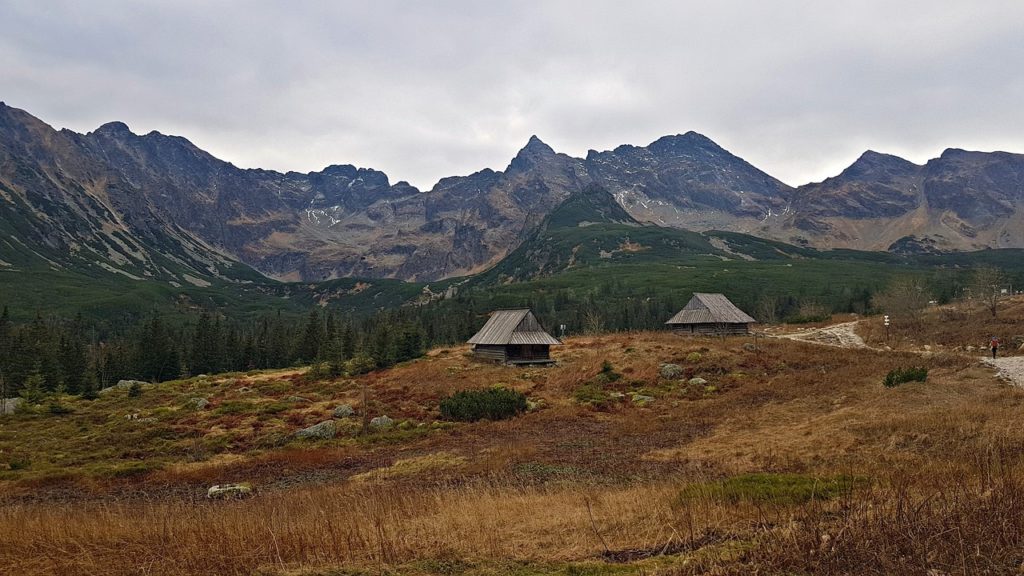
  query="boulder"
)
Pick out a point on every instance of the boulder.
point(229, 491)
point(198, 403)
point(670, 371)
point(343, 411)
point(323, 431)
point(749, 347)
point(698, 382)
point(381, 423)
point(9, 405)
point(642, 399)
point(122, 384)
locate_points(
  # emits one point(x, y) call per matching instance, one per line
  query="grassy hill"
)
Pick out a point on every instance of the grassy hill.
point(612, 471)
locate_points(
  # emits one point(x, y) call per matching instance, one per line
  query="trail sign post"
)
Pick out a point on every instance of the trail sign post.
point(886, 319)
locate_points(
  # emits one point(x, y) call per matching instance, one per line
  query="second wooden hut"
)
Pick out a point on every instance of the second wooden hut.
point(711, 314)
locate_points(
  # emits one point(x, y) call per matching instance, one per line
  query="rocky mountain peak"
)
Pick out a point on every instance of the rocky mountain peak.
point(114, 129)
point(531, 155)
point(872, 163)
point(683, 143)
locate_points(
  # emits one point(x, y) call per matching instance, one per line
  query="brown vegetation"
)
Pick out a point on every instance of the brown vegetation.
point(584, 483)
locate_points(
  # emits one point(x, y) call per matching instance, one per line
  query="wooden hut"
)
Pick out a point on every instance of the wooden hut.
point(707, 314)
point(513, 337)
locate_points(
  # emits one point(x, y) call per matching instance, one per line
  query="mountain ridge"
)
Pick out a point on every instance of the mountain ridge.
point(347, 221)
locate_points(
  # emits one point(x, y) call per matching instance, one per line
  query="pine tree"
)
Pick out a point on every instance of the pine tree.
point(34, 389)
point(73, 356)
point(312, 336)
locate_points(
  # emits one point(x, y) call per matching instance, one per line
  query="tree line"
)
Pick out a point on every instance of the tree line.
point(48, 355)
point(75, 356)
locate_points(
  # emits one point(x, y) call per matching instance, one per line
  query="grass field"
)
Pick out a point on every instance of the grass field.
point(787, 459)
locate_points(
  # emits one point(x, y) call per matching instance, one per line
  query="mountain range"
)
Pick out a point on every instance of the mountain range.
point(157, 206)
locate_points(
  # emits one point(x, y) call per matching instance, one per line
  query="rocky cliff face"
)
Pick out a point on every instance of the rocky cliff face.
point(126, 201)
point(687, 181)
point(959, 201)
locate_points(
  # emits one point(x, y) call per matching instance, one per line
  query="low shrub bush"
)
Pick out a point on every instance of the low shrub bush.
point(592, 394)
point(58, 408)
point(607, 373)
point(489, 404)
point(902, 375)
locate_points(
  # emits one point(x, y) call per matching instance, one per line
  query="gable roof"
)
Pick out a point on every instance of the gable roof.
point(706, 308)
point(512, 327)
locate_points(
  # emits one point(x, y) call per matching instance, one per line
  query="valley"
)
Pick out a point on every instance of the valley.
point(602, 475)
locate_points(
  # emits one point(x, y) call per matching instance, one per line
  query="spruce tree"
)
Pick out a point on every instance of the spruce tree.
point(34, 389)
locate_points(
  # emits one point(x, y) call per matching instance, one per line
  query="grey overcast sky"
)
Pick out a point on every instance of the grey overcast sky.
point(424, 89)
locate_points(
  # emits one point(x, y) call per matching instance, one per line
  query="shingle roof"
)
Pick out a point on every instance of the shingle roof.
point(710, 309)
point(512, 327)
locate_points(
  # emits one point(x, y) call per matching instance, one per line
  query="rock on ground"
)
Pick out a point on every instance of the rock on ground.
point(381, 423)
point(228, 491)
point(698, 381)
point(322, 431)
point(122, 384)
point(642, 399)
point(670, 371)
point(9, 405)
point(343, 411)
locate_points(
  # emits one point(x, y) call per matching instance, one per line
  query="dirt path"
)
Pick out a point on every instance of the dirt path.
point(1010, 368)
point(838, 335)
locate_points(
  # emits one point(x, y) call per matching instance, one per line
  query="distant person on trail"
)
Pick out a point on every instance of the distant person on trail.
point(995, 346)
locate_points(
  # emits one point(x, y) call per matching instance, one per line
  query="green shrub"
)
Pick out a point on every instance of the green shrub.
point(490, 404)
point(771, 489)
point(901, 375)
point(806, 318)
point(19, 463)
point(360, 364)
point(591, 394)
point(58, 408)
point(607, 373)
point(135, 390)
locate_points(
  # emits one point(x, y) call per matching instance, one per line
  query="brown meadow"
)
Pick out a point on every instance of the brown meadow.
point(593, 484)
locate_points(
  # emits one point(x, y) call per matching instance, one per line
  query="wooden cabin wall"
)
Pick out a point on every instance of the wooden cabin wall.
point(490, 352)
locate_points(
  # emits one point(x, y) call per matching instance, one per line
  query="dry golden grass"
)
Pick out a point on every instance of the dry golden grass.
point(557, 489)
point(954, 326)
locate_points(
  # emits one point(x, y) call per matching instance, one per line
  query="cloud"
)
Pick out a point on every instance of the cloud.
point(425, 90)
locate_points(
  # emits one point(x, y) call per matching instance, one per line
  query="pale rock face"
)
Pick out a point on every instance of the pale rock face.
point(321, 431)
point(381, 423)
point(229, 491)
